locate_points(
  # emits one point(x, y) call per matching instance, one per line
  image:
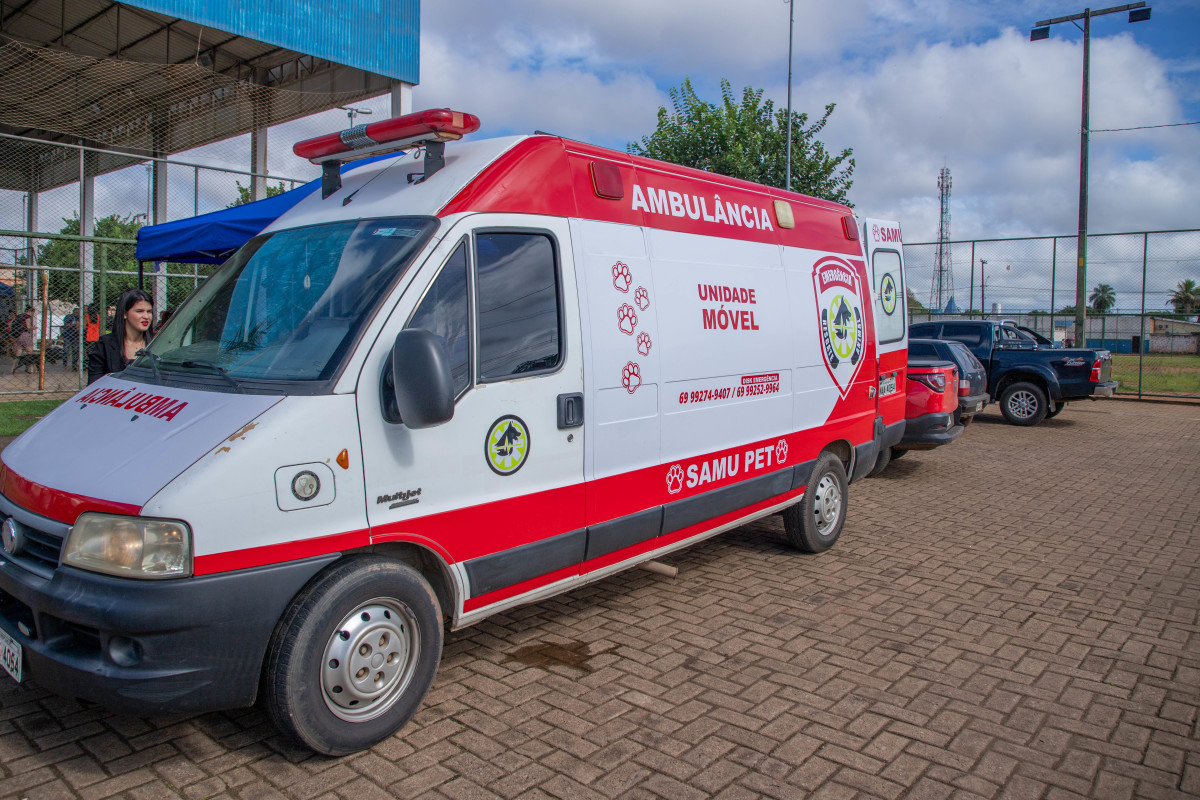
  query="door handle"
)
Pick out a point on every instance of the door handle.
point(570, 410)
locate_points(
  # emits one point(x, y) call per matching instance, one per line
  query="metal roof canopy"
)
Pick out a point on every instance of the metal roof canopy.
point(123, 78)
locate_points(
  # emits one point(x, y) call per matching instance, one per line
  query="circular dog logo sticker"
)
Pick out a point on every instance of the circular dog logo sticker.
point(840, 308)
point(507, 445)
point(887, 294)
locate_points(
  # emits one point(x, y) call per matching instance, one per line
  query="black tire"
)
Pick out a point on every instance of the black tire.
point(1058, 407)
point(1023, 403)
point(881, 461)
point(369, 631)
point(814, 524)
point(898, 453)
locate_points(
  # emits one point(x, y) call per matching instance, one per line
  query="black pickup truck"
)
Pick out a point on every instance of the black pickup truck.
point(1032, 383)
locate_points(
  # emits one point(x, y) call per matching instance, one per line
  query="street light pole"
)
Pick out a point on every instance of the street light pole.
point(1137, 13)
point(791, 22)
point(983, 288)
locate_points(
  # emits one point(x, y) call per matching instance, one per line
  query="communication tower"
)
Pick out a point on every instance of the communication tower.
point(943, 270)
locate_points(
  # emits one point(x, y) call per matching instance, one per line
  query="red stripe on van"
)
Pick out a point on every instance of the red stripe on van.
point(55, 503)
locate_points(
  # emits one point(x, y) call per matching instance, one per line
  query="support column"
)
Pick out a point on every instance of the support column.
point(258, 163)
point(87, 227)
point(401, 98)
point(31, 215)
point(159, 181)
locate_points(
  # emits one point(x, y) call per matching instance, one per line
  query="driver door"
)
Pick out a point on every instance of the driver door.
point(498, 489)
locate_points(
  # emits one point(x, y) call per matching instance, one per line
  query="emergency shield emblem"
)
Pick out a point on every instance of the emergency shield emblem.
point(840, 308)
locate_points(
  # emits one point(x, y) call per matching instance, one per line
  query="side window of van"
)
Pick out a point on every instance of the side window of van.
point(516, 284)
point(445, 310)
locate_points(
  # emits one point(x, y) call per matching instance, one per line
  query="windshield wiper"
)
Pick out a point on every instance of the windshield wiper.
point(193, 364)
point(153, 364)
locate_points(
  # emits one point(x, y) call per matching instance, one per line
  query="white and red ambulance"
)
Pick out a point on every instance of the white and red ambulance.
point(458, 382)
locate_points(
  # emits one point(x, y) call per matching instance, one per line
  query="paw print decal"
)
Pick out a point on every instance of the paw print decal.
point(621, 277)
point(781, 451)
point(644, 343)
point(642, 298)
point(675, 479)
point(626, 319)
point(631, 376)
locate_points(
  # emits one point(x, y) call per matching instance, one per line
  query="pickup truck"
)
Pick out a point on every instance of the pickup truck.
point(1031, 383)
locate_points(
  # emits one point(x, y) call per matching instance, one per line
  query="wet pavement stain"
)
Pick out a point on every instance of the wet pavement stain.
point(549, 654)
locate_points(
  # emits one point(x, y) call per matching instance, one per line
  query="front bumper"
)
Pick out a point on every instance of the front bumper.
point(148, 647)
point(929, 431)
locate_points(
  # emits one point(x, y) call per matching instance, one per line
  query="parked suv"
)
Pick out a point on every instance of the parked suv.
point(972, 377)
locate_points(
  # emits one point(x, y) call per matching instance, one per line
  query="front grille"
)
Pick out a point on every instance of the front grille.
point(41, 548)
point(42, 538)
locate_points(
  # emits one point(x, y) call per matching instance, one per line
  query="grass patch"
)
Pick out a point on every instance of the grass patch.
point(1161, 374)
point(18, 416)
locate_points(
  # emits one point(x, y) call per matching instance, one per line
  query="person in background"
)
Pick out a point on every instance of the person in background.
point(70, 339)
point(163, 317)
point(24, 344)
point(91, 325)
point(133, 326)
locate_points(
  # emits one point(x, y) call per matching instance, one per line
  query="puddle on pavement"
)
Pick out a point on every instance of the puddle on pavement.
point(549, 654)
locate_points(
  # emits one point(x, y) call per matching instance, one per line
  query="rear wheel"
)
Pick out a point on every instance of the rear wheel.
point(814, 524)
point(1058, 407)
point(1023, 403)
point(354, 655)
point(898, 453)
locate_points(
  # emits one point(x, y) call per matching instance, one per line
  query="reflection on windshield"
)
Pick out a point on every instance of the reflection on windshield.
point(289, 304)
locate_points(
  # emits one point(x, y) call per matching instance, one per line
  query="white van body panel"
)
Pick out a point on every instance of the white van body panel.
point(68, 452)
point(231, 490)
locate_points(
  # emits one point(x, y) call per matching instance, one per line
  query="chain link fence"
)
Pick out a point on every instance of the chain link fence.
point(55, 275)
point(1142, 297)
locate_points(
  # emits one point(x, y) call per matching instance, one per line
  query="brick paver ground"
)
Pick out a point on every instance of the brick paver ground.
point(1011, 616)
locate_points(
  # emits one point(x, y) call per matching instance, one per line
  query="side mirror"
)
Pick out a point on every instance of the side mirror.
point(421, 378)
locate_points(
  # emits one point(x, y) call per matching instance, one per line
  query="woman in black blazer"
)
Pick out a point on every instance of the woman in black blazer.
point(132, 329)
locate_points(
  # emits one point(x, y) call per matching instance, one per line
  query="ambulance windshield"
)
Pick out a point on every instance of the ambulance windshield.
point(289, 305)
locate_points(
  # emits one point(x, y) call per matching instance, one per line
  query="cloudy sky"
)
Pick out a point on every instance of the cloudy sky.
point(919, 84)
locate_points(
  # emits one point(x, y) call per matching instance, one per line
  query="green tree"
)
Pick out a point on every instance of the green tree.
point(1186, 297)
point(115, 264)
point(1102, 298)
point(244, 193)
point(748, 140)
point(914, 305)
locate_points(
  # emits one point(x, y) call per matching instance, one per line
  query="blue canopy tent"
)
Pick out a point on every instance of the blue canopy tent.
point(212, 238)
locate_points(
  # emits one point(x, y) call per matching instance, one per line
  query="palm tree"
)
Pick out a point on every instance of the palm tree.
point(1102, 298)
point(1186, 297)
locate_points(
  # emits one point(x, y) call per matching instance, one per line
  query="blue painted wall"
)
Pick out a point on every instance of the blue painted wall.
point(380, 36)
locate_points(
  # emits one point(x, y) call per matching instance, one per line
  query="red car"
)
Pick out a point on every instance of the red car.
point(930, 408)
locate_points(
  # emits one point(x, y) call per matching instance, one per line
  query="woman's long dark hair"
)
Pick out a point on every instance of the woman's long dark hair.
point(127, 300)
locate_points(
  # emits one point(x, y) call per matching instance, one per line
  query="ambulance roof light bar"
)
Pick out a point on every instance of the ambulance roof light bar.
point(431, 128)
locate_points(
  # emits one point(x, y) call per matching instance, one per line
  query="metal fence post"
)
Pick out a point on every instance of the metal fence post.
point(971, 299)
point(1053, 278)
point(1142, 336)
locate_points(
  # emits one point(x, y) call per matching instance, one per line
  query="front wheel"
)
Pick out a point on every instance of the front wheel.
point(354, 655)
point(1023, 403)
point(814, 524)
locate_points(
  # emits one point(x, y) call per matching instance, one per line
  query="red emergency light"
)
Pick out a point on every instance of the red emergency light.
point(432, 128)
point(435, 124)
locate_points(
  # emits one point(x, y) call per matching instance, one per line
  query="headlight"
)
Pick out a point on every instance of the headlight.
point(131, 547)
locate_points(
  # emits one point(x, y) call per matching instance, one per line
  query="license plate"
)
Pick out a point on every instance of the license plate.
point(887, 385)
point(974, 406)
point(10, 655)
